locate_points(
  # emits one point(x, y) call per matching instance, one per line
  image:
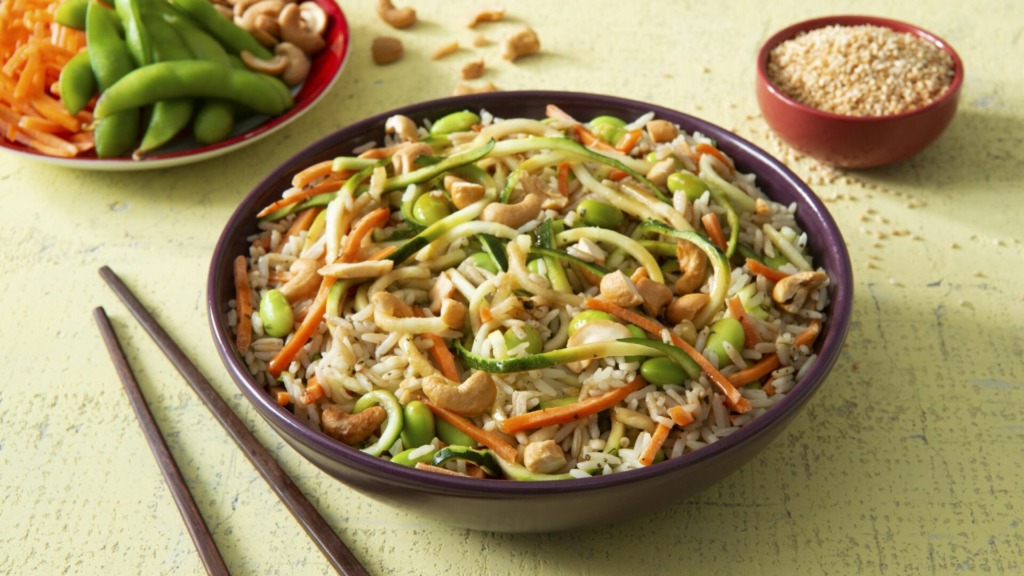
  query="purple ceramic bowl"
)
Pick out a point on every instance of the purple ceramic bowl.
point(855, 141)
point(507, 506)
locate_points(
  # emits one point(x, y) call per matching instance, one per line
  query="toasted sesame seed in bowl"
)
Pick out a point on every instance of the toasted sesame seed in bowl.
point(857, 91)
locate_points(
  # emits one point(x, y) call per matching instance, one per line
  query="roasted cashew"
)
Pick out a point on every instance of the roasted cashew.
point(461, 89)
point(295, 31)
point(491, 14)
point(463, 192)
point(544, 457)
point(618, 289)
point(514, 215)
point(693, 264)
point(352, 429)
point(662, 131)
point(403, 158)
point(314, 17)
point(403, 127)
point(298, 65)
point(391, 305)
point(260, 19)
point(396, 17)
point(522, 42)
point(655, 294)
point(659, 172)
point(274, 66)
point(469, 398)
point(593, 332)
point(453, 313)
point(686, 307)
point(304, 281)
point(794, 291)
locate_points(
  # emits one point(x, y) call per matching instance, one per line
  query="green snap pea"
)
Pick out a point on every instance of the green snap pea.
point(77, 82)
point(418, 428)
point(393, 424)
point(599, 214)
point(608, 128)
point(195, 79)
point(404, 458)
point(451, 435)
point(116, 134)
point(687, 182)
point(587, 316)
point(454, 122)
point(71, 13)
point(729, 330)
point(235, 38)
point(429, 208)
point(276, 314)
point(662, 371)
point(214, 121)
point(528, 334)
point(483, 260)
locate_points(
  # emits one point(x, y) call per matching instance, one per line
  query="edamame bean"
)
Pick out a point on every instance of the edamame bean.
point(729, 330)
point(136, 35)
point(662, 371)
point(418, 428)
point(587, 316)
point(451, 435)
point(168, 117)
point(687, 182)
point(235, 38)
point(71, 13)
point(195, 79)
point(429, 208)
point(276, 314)
point(77, 82)
point(454, 122)
point(599, 214)
point(483, 260)
point(518, 335)
point(608, 128)
point(116, 133)
point(214, 121)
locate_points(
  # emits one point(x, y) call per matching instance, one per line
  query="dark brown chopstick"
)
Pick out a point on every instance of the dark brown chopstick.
point(332, 547)
point(197, 529)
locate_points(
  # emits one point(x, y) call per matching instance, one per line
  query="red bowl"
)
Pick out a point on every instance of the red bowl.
point(855, 141)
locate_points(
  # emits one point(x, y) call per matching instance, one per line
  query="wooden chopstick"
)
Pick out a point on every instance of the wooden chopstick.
point(197, 529)
point(340, 557)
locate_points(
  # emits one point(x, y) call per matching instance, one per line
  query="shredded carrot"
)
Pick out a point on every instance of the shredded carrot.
point(314, 391)
point(307, 175)
point(503, 449)
point(440, 353)
point(657, 441)
point(750, 337)
point(332, 183)
point(563, 179)
point(809, 335)
point(628, 140)
point(769, 387)
point(590, 140)
point(681, 416)
point(770, 274)
point(736, 401)
point(616, 175)
point(714, 229)
point(556, 113)
point(361, 229)
point(705, 148)
point(769, 363)
point(283, 398)
point(570, 412)
point(302, 222)
point(243, 306)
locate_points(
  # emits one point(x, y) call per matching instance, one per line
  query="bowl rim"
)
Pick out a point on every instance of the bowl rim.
point(792, 30)
point(739, 148)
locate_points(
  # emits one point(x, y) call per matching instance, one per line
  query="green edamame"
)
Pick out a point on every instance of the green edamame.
point(235, 38)
point(418, 428)
point(168, 117)
point(662, 371)
point(276, 314)
point(214, 121)
point(71, 13)
point(195, 79)
point(429, 208)
point(483, 260)
point(518, 335)
point(393, 424)
point(588, 316)
point(608, 128)
point(687, 182)
point(77, 82)
point(116, 134)
point(599, 214)
point(454, 122)
point(729, 330)
point(136, 35)
point(451, 435)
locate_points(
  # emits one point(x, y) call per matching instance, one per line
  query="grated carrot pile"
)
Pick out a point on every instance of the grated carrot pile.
point(33, 50)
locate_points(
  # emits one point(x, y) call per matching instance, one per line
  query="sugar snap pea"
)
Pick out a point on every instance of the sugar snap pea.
point(116, 134)
point(77, 82)
point(196, 79)
point(230, 34)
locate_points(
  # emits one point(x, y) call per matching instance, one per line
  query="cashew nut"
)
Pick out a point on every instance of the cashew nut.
point(469, 398)
point(298, 63)
point(490, 14)
point(396, 17)
point(260, 19)
point(521, 43)
point(514, 215)
point(472, 70)
point(693, 264)
point(388, 303)
point(794, 291)
point(545, 457)
point(274, 66)
point(662, 131)
point(352, 429)
point(404, 156)
point(453, 313)
point(686, 307)
point(295, 31)
point(593, 332)
point(314, 17)
point(463, 193)
point(462, 89)
point(661, 170)
point(655, 294)
point(304, 281)
point(618, 289)
point(403, 126)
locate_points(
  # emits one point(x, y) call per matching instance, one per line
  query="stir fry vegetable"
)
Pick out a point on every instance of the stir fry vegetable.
point(529, 299)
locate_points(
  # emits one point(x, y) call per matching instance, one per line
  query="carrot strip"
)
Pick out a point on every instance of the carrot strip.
point(556, 113)
point(705, 148)
point(657, 441)
point(680, 416)
point(563, 179)
point(364, 226)
point(283, 398)
point(736, 401)
point(302, 222)
point(628, 140)
point(590, 140)
point(440, 353)
point(570, 412)
point(243, 306)
point(769, 273)
point(763, 367)
point(332, 183)
point(314, 391)
point(307, 175)
point(714, 229)
point(503, 449)
point(616, 175)
point(750, 337)
point(809, 335)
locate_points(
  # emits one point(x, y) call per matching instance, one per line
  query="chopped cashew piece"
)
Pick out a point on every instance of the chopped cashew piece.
point(453, 313)
point(446, 49)
point(490, 14)
point(655, 294)
point(396, 17)
point(403, 127)
point(352, 429)
point(521, 43)
point(686, 307)
point(514, 215)
point(662, 131)
point(469, 398)
point(545, 457)
point(304, 281)
point(462, 89)
point(796, 290)
point(295, 31)
point(618, 289)
point(593, 332)
point(693, 264)
point(370, 269)
point(473, 69)
point(660, 170)
point(463, 193)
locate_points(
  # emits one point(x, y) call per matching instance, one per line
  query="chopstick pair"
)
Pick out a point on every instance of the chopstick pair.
point(339, 556)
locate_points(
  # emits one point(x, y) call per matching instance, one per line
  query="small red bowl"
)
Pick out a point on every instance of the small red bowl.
point(855, 141)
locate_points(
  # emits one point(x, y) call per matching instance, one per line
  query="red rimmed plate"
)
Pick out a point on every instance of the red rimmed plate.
point(325, 70)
